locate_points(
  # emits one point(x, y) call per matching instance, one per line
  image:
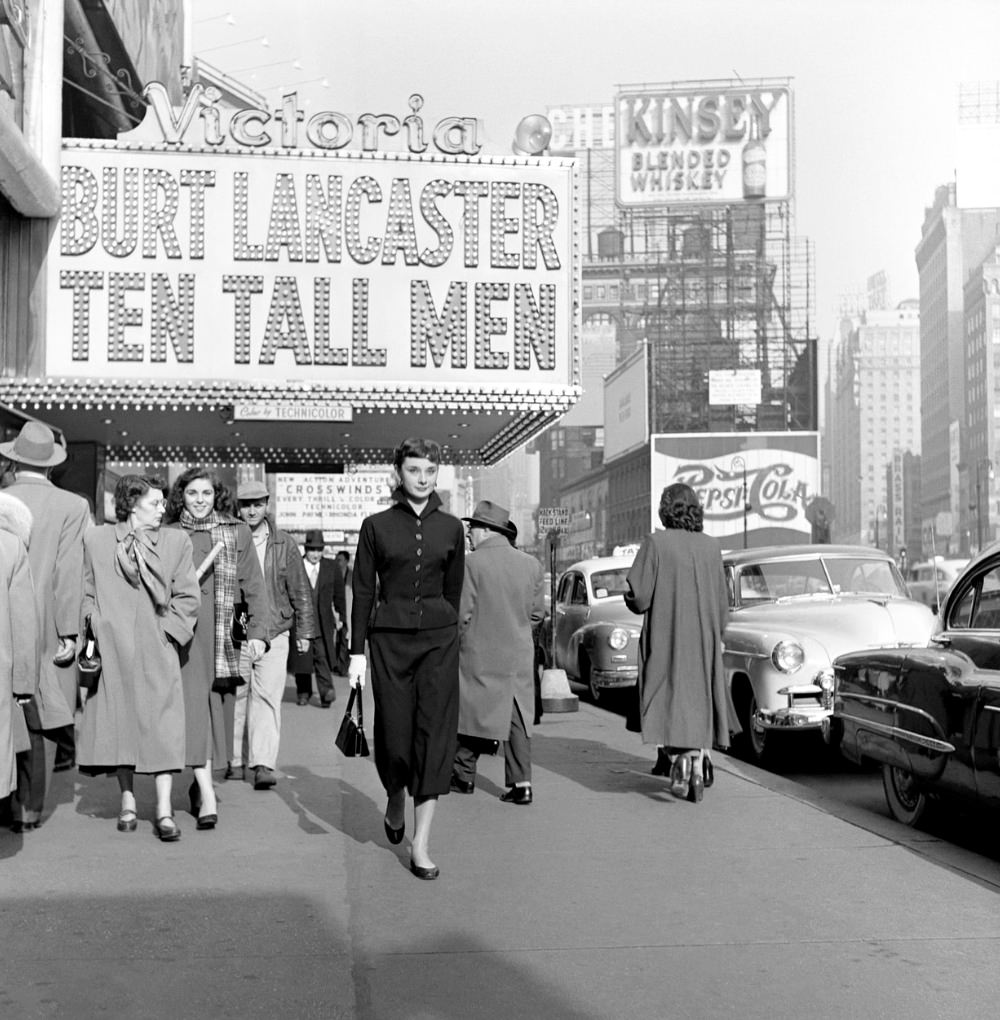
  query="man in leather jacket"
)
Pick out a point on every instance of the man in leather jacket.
point(289, 599)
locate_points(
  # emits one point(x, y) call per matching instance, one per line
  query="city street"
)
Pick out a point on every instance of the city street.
point(606, 898)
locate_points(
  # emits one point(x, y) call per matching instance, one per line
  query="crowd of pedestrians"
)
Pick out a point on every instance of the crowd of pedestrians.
point(200, 607)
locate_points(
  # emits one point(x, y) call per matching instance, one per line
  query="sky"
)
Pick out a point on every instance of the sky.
point(875, 86)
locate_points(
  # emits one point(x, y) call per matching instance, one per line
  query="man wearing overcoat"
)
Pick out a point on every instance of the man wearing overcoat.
point(502, 600)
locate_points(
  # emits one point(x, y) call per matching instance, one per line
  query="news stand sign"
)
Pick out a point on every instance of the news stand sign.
point(782, 473)
point(697, 143)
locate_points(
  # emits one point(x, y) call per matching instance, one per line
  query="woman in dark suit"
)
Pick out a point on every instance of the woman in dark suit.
point(415, 553)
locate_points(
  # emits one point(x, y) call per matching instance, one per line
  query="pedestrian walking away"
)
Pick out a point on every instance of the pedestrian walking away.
point(18, 653)
point(502, 600)
point(329, 604)
point(288, 601)
point(678, 584)
point(55, 553)
point(141, 599)
point(415, 553)
point(228, 571)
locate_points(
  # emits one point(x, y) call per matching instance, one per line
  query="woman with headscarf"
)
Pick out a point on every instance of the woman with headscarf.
point(227, 569)
point(678, 583)
point(140, 597)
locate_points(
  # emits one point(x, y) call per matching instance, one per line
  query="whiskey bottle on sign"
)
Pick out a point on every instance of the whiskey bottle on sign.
point(754, 163)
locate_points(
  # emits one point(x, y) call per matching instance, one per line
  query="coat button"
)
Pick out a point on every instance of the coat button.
point(420, 552)
point(419, 536)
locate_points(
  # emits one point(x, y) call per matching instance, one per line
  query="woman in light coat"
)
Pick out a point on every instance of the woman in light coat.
point(141, 595)
point(678, 583)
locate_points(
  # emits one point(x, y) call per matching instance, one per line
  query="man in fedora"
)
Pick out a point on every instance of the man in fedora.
point(502, 600)
point(330, 606)
point(55, 553)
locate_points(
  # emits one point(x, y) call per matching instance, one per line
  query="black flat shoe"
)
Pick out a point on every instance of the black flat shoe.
point(427, 874)
point(207, 821)
point(168, 833)
point(395, 836)
point(662, 765)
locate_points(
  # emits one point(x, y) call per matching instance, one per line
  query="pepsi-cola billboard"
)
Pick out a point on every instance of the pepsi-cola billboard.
point(781, 472)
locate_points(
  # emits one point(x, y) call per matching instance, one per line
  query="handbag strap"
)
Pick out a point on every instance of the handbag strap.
point(350, 705)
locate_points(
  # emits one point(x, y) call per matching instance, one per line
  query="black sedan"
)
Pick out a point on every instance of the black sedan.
point(931, 716)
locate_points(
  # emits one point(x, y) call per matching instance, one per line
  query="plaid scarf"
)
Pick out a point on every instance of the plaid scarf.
point(223, 529)
point(140, 563)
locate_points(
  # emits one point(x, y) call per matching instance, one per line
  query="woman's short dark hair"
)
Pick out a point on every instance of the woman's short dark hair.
point(224, 501)
point(414, 447)
point(130, 489)
point(680, 509)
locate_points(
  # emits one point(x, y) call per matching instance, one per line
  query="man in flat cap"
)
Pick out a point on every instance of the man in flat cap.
point(289, 600)
point(502, 600)
point(55, 554)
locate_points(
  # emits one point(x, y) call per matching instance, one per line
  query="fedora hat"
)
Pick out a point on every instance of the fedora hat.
point(315, 540)
point(35, 445)
point(492, 516)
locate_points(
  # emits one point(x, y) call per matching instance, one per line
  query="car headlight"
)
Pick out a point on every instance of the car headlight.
point(618, 638)
point(788, 656)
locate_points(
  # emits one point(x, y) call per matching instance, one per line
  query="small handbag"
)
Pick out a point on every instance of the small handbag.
point(89, 660)
point(241, 617)
point(351, 737)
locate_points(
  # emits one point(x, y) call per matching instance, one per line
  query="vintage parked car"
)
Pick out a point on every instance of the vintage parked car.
point(931, 716)
point(596, 635)
point(794, 609)
point(929, 582)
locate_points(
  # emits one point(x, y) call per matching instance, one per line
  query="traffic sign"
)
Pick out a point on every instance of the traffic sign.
point(553, 518)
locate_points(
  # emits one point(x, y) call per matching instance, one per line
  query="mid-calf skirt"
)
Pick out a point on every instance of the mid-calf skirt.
point(415, 684)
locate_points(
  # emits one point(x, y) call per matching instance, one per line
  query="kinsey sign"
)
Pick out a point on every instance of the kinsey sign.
point(779, 469)
point(202, 263)
point(703, 142)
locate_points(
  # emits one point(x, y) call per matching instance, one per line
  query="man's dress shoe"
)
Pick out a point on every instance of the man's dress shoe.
point(462, 785)
point(517, 795)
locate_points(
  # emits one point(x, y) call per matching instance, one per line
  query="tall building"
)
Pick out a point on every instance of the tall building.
point(952, 241)
point(873, 418)
point(982, 403)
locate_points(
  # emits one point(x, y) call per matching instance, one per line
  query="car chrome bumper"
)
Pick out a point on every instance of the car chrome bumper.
point(614, 678)
point(802, 717)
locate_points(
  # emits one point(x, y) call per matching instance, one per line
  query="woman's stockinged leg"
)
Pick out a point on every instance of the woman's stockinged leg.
point(126, 782)
point(206, 789)
point(164, 787)
point(423, 815)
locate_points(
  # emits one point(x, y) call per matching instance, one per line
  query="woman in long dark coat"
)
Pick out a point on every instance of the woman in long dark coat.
point(140, 593)
point(202, 506)
point(678, 582)
point(415, 552)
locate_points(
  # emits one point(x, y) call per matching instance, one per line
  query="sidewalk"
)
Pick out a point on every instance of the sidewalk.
point(606, 898)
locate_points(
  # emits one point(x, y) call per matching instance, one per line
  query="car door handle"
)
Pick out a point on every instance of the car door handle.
point(941, 639)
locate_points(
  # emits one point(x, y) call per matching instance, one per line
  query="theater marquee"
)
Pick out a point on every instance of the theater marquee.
point(451, 278)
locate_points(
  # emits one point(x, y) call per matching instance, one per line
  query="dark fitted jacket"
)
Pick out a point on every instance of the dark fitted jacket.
point(418, 564)
point(328, 595)
point(289, 593)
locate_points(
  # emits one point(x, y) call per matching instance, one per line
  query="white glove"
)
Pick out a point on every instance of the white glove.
point(356, 670)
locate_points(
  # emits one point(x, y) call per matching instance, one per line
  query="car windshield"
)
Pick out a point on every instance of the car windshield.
point(769, 581)
point(608, 583)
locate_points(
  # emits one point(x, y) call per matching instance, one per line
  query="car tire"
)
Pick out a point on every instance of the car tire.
point(757, 747)
point(597, 694)
point(907, 802)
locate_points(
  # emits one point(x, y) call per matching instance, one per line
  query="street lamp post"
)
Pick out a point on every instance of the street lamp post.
point(879, 510)
point(984, 462)
point(739, 464)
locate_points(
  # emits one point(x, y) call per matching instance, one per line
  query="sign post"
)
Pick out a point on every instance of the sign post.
point(556, 694)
